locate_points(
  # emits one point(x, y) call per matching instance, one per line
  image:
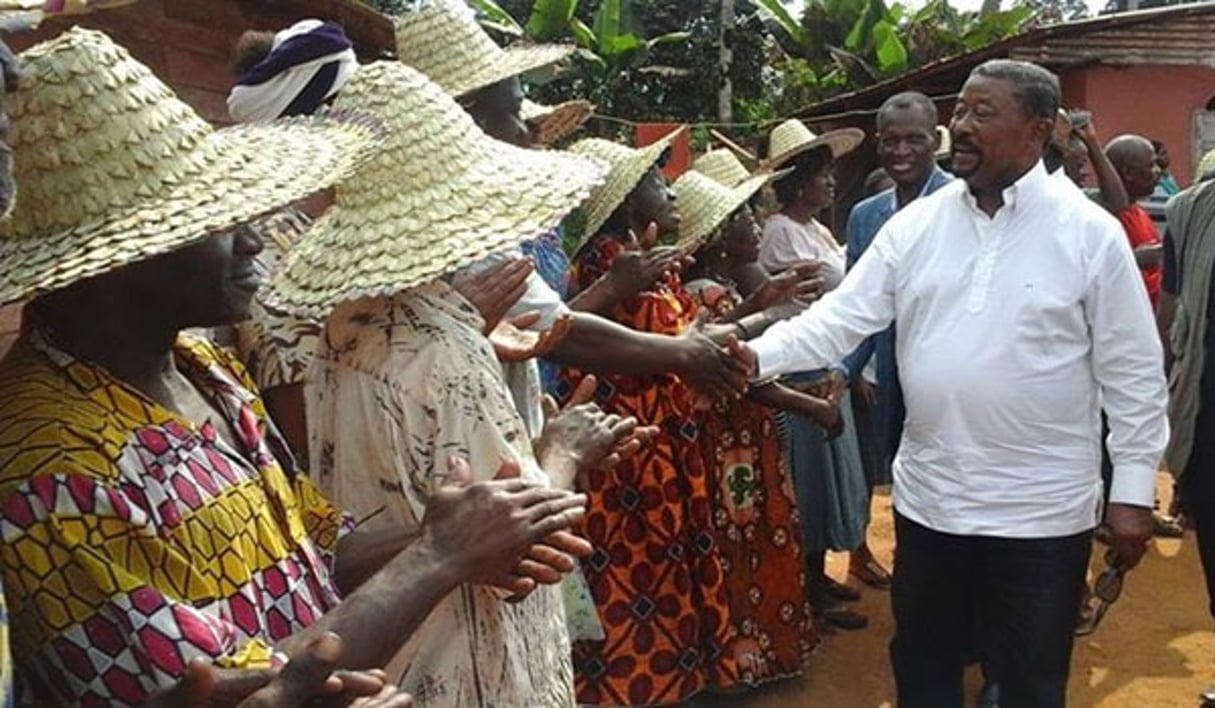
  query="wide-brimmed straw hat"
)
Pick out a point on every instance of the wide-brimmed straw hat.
point(442, 39)
point(946, 141)
point(1205, 166)
point(25, 15)
point(627, 166)
point(438, 195)
point(793, 137)
point(723, 166)
point(552, 123)
point(113, 168)
point(705, 204)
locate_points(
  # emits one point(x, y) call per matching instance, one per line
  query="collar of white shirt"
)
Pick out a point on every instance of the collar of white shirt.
point(1028, 188)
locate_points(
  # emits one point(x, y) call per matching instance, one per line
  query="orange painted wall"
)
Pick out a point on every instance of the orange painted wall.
point(1157, 102)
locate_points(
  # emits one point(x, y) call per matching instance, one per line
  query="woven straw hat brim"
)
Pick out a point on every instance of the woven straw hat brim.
point(88, 205)
point(515, 60)
point(438, 196)
point(841, 142)
point(443, 40)
point(243, 173)
point(552, 123)
point(723, 166)
point(946, 142)
point(705, 204)
point(627, 167)
point(1205, 165)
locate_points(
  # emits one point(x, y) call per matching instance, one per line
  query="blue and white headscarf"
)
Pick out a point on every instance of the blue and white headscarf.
point(308, 63)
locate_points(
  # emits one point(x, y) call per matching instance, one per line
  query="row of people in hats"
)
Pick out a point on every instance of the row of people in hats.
point(647, 535)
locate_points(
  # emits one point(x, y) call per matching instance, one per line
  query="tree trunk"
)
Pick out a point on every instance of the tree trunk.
point(725, 95)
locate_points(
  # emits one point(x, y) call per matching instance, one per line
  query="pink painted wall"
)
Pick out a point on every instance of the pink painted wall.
point(1157, 102)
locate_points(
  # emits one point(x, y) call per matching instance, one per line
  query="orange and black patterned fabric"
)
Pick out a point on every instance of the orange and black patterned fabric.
point(135, 541)
point(655, 573)
point(755, 514)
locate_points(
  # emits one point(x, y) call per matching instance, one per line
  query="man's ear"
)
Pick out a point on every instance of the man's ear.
point(1043, 129)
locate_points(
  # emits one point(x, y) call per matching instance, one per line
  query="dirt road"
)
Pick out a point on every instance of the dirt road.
point(1154, 649)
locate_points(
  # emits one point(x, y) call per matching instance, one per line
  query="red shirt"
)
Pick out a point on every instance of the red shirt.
point(1142, 232)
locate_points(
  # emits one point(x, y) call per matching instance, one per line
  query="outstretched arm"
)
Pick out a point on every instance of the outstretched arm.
point(1113, 193)
point(833, 327)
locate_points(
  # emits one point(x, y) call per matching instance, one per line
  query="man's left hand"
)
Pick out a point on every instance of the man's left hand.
point(1130, 529)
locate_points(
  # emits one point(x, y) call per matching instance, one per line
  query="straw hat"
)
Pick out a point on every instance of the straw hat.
point(113, 168)
point(552, 123)
point(705, 204)
point(723, 166)
point(442, 39)
point(946, 143)
point(792, 138)
point(627, 167)
point(438, 195)
point(20, 15)
point(1205, 165)
point(25, 15)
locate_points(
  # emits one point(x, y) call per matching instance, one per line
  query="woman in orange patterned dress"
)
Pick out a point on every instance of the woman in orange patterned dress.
point(753, 503)
point(655, 574)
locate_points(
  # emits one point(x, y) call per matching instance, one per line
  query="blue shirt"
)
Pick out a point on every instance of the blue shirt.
point(866, 219)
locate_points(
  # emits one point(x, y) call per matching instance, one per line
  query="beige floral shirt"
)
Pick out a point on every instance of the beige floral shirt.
point(397, 386)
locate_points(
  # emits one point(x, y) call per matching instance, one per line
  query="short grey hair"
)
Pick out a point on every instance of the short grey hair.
point(1037, 89)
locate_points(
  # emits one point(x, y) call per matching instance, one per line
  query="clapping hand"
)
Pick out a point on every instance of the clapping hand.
point(489, 532)
point(637, 269)
point(310, 678)
point(494, 290)
point(799, 283)
point(515, 341)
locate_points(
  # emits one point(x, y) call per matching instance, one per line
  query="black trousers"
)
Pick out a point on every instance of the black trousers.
point(1011, 603)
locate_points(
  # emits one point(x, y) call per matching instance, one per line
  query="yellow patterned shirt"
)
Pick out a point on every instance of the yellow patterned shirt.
point(134, 541)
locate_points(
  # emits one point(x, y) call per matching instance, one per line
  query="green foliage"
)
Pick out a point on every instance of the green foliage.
point(657, 60)
point(494, 18)
point(660, 60)
point(843, 45)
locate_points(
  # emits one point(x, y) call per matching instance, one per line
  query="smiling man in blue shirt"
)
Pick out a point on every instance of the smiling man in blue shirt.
point(907, 141)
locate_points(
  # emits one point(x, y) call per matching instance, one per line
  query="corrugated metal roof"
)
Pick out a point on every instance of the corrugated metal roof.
point(1178, 33)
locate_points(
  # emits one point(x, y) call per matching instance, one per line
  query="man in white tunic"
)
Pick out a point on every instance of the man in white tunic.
point(1021, 314)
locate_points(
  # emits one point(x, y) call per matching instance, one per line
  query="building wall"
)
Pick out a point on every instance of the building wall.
point(1157, 102)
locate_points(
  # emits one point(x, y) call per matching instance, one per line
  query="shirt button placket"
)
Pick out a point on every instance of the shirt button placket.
point(981, 281)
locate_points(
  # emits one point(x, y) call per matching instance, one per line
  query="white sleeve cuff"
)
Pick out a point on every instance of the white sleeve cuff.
point(770, 356)
point(1134, 485)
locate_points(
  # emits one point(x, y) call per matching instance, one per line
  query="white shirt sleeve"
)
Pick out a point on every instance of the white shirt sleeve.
point(833, 327)
point(1128, 365)
point(539, 297)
